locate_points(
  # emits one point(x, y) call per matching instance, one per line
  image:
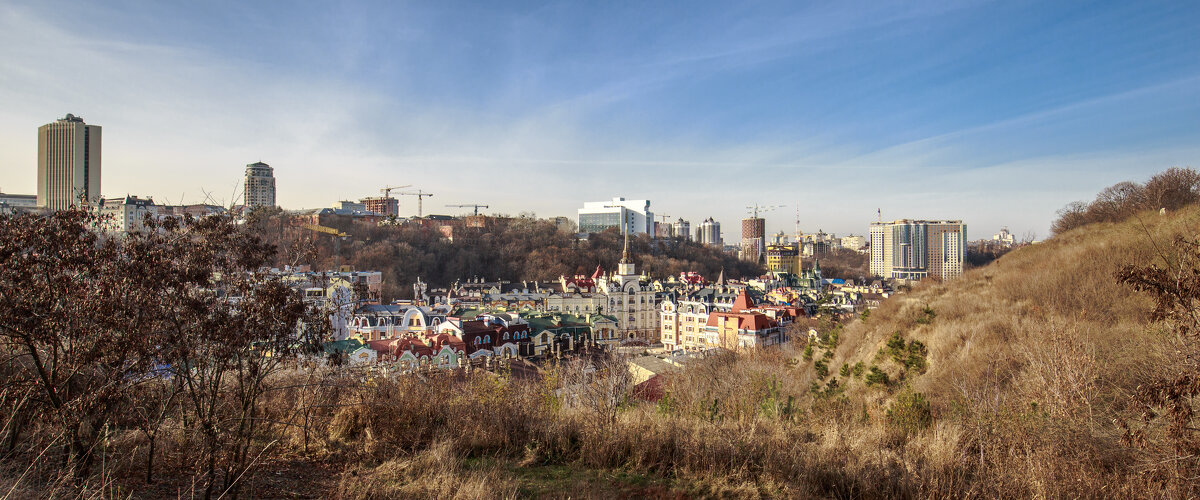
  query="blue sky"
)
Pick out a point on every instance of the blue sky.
point(998, 113)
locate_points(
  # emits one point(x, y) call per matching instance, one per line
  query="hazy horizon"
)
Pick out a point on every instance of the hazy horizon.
point(996, 113)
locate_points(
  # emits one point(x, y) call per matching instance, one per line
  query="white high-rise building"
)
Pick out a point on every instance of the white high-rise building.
point(709, 233)
point(260, 185)
point(915, 249)
point(1004, 237)
point(628, 216)
point(68, 163)
point(681, 229)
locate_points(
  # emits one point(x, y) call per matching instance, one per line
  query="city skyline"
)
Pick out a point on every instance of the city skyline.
point(997, 114)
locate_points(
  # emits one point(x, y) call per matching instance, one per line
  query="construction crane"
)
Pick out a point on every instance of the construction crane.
point(756, 208)
point(387, 190)
point(664, 221)
point(477, 207)
point(324, 229)
point(338, 236)
point(421, 195)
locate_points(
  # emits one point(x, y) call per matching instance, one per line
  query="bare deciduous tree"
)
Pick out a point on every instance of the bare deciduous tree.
point(598, 387)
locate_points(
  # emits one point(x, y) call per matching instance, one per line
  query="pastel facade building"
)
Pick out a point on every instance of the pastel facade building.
point(720, 318)
point(684, 317)
point(916, 249)
point(784, 259)
point(632, 302)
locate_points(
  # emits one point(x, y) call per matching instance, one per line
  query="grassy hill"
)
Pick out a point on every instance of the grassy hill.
point(1019, 379)
point(1015, 380)
point(1026, 367)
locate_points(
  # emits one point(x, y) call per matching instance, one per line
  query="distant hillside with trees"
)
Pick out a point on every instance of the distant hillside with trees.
point(845, 264)
point(510, 249)
point(1171, 189)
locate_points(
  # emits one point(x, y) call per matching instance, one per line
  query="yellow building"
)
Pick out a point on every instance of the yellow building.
point(783, 259)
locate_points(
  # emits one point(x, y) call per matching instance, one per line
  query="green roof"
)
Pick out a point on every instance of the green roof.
point(341, 346)
point(539, 324)
point(470, 314)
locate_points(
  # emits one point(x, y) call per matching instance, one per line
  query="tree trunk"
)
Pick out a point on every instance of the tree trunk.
point(150, 460)
point(212, 467)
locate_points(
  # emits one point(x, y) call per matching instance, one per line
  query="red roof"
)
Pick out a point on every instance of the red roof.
point(743, 302)
point(446, 339)
point(383, 346)
point(651, 390)
point(581, 282)
point(475, 326)
point(746, 321)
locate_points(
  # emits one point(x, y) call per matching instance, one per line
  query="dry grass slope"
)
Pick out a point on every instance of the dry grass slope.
point(1011, 381)
point(1031, 362)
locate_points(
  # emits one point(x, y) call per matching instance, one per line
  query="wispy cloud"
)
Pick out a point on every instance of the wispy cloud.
point(544, 109)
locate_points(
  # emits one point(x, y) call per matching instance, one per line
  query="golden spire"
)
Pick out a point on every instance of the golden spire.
point(625, 254)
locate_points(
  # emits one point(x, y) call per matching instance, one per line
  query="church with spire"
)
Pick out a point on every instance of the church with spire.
point(631, 299)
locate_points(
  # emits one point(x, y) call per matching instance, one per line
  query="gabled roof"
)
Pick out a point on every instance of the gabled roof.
point(475, 326)
point(742, 302)
point(746, 321)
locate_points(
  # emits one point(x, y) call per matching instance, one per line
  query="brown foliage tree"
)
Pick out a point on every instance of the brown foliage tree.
point(75, 308)
point(89, 323)
point(230, 327)
point(1170, 404)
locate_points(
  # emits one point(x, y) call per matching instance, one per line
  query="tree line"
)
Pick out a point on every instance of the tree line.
point(1169, 190)
point(510, 249)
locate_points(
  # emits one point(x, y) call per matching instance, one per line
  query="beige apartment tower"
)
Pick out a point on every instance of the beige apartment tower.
point(68, 163)
point(260, 185)
point(916, 249)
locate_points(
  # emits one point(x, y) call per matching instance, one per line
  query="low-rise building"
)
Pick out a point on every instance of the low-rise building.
point(13, 203)
point(784, 259)
point(128, 213)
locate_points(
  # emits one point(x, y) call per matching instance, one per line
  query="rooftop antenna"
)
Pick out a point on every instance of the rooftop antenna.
point(879, 211)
